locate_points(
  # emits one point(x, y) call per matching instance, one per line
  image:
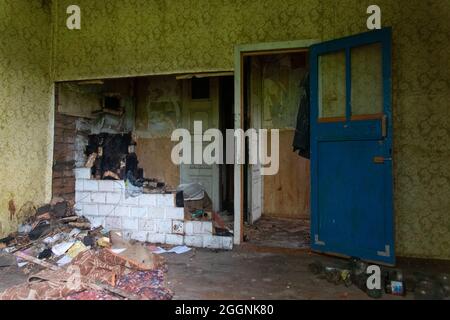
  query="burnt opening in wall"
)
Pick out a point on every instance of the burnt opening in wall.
point(111, 156)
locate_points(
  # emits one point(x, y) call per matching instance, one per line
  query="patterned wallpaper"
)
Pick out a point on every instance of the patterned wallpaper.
point(25, 109)
point(139, 37)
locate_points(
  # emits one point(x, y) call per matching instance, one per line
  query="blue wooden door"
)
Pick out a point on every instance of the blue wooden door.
point(351, 147)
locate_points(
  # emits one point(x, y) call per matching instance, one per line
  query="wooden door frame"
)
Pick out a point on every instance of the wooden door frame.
point(241, 51)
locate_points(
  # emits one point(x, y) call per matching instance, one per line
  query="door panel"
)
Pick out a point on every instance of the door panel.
point(332, 85)
point(207, 111)
point(351, 147)
point(367, 79)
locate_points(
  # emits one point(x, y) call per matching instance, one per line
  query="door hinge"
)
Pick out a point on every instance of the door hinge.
point(317, 241)
point(386, 252)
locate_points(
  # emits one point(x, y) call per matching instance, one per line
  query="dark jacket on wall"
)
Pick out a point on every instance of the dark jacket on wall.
point(301, 138)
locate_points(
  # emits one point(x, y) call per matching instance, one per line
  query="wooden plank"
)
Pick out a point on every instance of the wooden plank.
point(367, 117)
point(287, 194)
point(275, 51)
point(154, 156)
point(332, 119)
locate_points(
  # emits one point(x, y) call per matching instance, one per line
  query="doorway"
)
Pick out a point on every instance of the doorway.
point(276, 207)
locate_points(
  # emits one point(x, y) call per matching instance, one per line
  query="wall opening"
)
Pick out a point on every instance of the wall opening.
point(276, 208)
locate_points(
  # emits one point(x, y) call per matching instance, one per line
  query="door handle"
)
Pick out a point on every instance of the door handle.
point(381, 160)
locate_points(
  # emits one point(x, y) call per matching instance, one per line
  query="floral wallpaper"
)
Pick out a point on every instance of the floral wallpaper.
point(25, 109)
point(143, 37)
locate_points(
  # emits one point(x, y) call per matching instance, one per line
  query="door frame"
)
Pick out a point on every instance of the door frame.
point(241, 51)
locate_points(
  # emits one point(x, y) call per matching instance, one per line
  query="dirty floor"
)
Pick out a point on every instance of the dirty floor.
point(247, 274)
point(276, 232)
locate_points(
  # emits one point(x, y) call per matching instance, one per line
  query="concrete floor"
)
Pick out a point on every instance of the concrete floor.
point(249, 273)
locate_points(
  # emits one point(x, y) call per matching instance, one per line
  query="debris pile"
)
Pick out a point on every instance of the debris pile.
point(67, 259)
point(393, 281)
point(195, 200)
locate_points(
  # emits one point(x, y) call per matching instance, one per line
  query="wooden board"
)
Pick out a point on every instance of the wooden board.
point(154, 157)
point(286, 194)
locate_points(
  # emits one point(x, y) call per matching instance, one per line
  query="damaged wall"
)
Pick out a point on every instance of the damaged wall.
point(158, 113)
point(26, 109)
point(64, 154)
point(121, 38)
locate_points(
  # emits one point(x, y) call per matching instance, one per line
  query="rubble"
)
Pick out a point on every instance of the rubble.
point(72, 260)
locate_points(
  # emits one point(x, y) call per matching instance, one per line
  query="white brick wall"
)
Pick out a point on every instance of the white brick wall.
point(96, 221)
point(156, 213)
point(98, 197)
point(113, 223)
point(121, 211)
point(114, 198)
point(147, 200)
point(105, 210)
point(79, 185)
point(174, 213)
point(82, 197)
point(212, 242)
point(147, 225)
point(163, 226)
point(198, 227)
point(133, 201)
point(156, 238)
point(82, 173)
point(148, 217)
point(90, 185)
point(90, 209)
point(227, 243)
point(139, 236)
point(139, 212)
point(165, 200)
point(174, 239)
point(130, 223)
point(106, 186)
point(119, 186)
point(194, 241)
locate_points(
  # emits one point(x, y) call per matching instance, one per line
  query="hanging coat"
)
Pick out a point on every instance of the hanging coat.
point(301, 142)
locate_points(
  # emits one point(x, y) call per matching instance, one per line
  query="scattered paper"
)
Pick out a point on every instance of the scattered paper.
point(119, 250)
point(177, 250)
point(76, 249)
point(22, 264)
point(180, 249)
point(74, 232)
point(25, 228)
point(64, 260)
point(159, 250)
point(50, 240)
point(62, 248)
point(104, 242)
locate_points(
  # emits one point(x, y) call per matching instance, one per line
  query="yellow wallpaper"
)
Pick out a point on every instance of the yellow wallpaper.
point(138, 37)
point(25, 108)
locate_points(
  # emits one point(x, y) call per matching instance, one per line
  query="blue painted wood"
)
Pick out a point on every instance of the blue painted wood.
point(351, 195)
